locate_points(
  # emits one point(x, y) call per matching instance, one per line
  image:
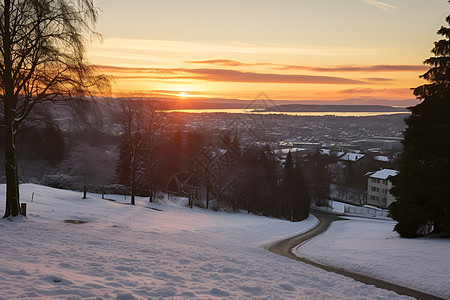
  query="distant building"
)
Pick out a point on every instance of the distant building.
point(350, 157)
point(295, 152)
point(378, 187)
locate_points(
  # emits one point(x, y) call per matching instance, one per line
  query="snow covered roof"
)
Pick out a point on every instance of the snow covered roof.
point(325, 151)
point(383, 174)
point(351, 156)
point(286, 151)
point(381, 158)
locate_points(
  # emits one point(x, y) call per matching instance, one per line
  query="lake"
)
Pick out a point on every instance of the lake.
point(327, 113)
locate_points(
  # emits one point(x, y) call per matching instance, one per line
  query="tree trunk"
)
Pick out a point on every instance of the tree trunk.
point(12, 181)
point(207, 194)
point(10, 103)
point(133, 189)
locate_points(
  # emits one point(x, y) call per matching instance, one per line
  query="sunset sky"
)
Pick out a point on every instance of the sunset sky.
point(290, 49)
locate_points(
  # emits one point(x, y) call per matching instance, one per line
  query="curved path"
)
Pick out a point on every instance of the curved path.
point(284, 248)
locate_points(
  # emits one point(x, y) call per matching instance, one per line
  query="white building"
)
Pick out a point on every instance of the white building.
point(378, 187)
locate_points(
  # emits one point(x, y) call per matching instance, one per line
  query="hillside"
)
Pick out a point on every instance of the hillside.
point(165, 250)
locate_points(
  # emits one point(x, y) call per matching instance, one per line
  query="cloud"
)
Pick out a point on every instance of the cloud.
point(365, 91)
point(355, 68)
point(222, 75)
point(222, 62)
point(381, 5)
point(238, 76)
point(370, 68)
point(379, 79)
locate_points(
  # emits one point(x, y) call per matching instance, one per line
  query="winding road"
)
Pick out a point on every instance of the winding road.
point(284, 248)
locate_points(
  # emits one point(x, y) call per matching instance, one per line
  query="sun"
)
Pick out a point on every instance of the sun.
point(182, 94)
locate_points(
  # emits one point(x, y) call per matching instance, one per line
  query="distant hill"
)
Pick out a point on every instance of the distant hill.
point(334, 108)
point(350, 105)
point(375, 105)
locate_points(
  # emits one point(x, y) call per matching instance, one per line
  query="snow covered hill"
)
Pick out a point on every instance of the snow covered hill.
point(370, 247)
point(133, 252)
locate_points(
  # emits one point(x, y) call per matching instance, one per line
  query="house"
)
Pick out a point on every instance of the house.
point(378, 187)
point(350, 157)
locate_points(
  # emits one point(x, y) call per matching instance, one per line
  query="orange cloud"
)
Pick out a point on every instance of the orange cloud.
point(221, 62)
point(370, 68)
point(374, 91)
point(376, 79)
point(223, 75)
point(356, 68)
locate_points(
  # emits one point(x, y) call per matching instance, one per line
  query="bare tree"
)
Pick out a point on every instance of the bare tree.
point(141, 122)
point(42, 60)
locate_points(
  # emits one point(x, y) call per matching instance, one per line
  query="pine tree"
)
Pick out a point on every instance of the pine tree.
point(302, 200)
point(295, 192)
point(422, 187)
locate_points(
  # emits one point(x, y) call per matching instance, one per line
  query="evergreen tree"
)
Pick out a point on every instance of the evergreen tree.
point(295, 192)
point(302, 202)
point(288, 188)
point(318, 176)
point(422, 187)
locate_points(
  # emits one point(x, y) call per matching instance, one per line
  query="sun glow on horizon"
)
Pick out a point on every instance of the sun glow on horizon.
point(366, 56)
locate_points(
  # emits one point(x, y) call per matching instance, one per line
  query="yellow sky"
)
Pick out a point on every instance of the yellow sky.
point(291, 50)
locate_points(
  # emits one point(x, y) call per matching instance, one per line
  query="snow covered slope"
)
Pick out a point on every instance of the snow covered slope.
point(370, 247)
point(133, 252)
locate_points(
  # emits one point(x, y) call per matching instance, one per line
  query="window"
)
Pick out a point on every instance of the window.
point(374, 198)
point(385, 191)
point(374, 189)
point(375, 180)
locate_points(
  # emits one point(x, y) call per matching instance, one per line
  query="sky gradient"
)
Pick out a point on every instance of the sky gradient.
point(290, 49)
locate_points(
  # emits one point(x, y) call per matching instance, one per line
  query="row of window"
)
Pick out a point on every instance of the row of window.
point(383, 181)
point(375, 189)
point(376, 198)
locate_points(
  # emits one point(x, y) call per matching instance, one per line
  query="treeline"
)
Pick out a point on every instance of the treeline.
point(141, 150)
point(214, 176)
point(213, 171)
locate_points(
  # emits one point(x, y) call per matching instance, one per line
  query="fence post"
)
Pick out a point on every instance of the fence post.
point(23, 209)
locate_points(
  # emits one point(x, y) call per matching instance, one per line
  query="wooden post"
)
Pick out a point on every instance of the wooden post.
point(23, 209)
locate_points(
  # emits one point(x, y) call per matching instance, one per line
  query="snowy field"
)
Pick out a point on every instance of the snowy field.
point(133, 252)
point(371, 247)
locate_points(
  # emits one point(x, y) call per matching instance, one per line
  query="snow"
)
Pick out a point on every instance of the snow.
point(371, 247)
point(346, 209)
point(351, 156)
point(133, 252)
point(286, 151)
point(325, 152)
point(383, 174)
point(381, 158)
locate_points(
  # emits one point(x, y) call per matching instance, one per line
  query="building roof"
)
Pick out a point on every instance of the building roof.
point(351, 156)
point(382, 174)
point(286, 151)
point(381, 158)
point(325, 151)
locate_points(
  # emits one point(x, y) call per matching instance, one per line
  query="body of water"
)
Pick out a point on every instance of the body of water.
point(325, 113)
